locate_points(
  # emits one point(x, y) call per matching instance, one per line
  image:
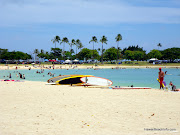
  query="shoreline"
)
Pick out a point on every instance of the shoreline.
point(81, 67)
point(35, 108)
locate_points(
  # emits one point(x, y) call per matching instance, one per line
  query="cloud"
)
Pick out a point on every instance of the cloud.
point(18, 12)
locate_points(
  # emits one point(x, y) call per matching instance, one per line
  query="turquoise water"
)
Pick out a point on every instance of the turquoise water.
point(120, 77)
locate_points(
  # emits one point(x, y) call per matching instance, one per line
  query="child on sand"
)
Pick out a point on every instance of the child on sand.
point(173, 87)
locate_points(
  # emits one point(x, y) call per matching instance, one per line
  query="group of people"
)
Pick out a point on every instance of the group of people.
point(50, 74)
point(21, 76)
point(38, 72)
point(161, 76)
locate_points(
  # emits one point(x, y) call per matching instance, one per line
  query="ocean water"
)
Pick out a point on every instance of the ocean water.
point(119, 77)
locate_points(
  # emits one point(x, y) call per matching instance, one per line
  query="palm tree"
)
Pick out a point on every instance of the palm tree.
point(64, 40)
point(103, 40)
point(56, 39)
point(78, 42)
point(94, 40)
point(73, 42)
point(80, 46)
point(36, 52)
point(99, 49)
point(159, 45)
point(118, 38)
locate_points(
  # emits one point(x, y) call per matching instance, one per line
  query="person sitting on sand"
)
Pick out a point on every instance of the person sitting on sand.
point(173, 87)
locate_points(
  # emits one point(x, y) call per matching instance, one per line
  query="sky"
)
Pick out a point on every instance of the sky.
point(26, 25)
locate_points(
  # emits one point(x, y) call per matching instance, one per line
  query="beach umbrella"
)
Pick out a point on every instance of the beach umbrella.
point(67, 62)
point(75, 60)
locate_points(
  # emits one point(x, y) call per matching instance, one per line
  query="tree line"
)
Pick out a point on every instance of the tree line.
point(79, 52)
point(130, 53)
point(14, 55)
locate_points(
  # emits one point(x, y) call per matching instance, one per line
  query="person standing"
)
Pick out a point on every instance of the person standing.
point(23, 76)
point(10, 75)
point(161, 78)
point(20, 75)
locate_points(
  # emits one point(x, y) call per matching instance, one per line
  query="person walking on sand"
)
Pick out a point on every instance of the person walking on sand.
point(161, 78)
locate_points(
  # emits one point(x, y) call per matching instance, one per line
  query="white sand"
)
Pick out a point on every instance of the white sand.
point(33, 108)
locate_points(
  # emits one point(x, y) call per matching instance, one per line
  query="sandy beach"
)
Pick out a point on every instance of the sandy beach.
point(33, 108)
point(12, 67)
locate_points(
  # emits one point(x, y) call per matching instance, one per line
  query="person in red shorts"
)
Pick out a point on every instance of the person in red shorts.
point(161, 78)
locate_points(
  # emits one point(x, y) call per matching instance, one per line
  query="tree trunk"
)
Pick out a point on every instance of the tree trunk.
point(93, 52)
point(71, 52)
point(63, 51)
point(76, 52)
point(102, 55)
point(117, 52)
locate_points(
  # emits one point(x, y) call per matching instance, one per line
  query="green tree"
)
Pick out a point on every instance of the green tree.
point(56, 53)
point(135, 55)
point(68, 54)
point(111, 53)
point(139, 55)
point(103, 40)
point(118, 38)
point(19, 55)
point(133, 48)
point(154, 54)
point(3, 53)
point(94, 40)
point(129, 55)
point(56, 39)
point(64, 40)
point(47, 55)
point(28, 56)
point(171, 53)
point(41, 54)
point(84, 53)
point(87, 53)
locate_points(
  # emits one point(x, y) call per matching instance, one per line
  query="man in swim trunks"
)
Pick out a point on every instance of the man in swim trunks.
point(161, 78)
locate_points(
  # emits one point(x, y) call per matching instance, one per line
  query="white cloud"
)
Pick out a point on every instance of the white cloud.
point(82, 12)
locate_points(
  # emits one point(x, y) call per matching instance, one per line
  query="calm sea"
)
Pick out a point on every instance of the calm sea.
point(120, 77)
